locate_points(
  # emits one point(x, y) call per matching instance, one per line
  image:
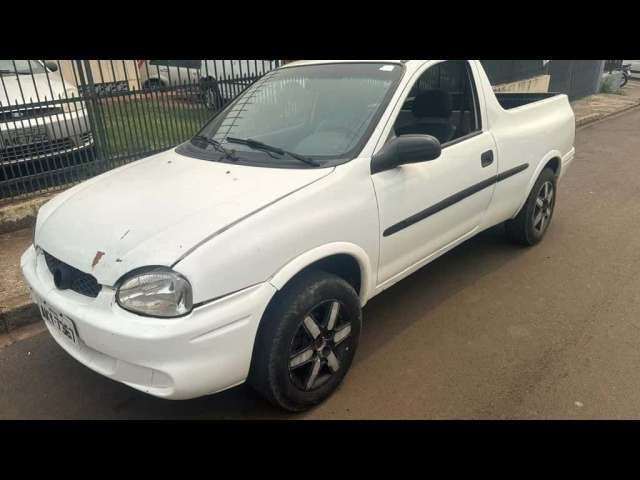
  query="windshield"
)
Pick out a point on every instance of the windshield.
point(21, 67)
point(323, 112)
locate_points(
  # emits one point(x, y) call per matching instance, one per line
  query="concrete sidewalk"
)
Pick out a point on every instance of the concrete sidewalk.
point(596, 107)
point(16, 308)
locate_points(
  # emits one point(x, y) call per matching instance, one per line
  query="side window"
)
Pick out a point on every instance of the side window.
point(443, 103)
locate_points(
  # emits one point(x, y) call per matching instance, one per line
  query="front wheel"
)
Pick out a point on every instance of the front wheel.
point(306, 341)
point(530, 225)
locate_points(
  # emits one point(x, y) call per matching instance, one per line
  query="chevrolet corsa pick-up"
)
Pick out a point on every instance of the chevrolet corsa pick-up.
point(248, 252)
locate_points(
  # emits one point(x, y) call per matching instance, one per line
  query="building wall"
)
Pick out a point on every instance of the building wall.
point(576, 78)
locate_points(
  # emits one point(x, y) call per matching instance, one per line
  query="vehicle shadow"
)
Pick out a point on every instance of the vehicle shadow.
point(385, 317)
point(423, 291)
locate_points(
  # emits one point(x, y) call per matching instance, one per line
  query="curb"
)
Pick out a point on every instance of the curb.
point(596, 117)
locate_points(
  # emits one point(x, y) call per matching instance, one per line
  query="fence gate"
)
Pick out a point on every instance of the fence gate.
point(62, 121)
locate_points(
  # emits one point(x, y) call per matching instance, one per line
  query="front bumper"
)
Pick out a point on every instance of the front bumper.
point(207, 351)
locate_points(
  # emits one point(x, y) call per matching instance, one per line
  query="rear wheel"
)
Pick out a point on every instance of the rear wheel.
point(530, 225)
point(306, 341)
point(152, 85)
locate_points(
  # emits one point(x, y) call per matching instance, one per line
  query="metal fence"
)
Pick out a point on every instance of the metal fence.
point(63, 121)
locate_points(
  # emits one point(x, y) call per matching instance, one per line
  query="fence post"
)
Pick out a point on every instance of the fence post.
point(93, 108)
point(600, 77)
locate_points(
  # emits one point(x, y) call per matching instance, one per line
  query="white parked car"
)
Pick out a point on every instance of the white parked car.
point(41, 116)
point(221, 80)
point(248, 252)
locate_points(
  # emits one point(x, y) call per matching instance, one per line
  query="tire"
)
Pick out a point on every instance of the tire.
point(528, 228)
point(152, 85)
point(211, 96)
point(286, 356)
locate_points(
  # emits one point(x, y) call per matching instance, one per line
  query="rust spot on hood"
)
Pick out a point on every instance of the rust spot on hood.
point(96, 259)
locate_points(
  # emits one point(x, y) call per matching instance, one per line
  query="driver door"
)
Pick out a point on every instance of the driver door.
point(424, 207)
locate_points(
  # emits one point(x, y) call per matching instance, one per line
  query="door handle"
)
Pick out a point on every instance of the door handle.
point(486, 158)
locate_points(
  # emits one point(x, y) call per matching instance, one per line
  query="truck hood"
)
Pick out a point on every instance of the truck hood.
point(157, 210)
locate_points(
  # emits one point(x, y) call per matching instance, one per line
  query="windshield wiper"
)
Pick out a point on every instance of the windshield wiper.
point(230, 154)
point(270, 148)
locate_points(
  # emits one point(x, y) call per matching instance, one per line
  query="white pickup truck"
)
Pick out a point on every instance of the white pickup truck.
point(248, 252)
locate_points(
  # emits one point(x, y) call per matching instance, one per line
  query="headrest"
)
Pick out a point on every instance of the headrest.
point(432, 103)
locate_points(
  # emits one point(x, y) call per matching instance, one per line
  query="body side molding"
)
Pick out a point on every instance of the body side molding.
point(453, 199)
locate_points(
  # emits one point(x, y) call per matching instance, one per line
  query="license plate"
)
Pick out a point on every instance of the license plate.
point(58, 321)
point(24, 136)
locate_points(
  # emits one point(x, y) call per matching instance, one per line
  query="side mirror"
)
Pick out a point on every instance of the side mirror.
point(406, 149)
point(52, 66)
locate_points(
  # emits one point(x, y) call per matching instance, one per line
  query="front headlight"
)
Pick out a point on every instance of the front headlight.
point(157, 292)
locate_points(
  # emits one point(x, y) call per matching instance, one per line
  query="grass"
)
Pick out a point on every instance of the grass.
point(133, 127)
point(606, 87)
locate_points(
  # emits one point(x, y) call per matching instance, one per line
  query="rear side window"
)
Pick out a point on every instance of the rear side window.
point(443, 103)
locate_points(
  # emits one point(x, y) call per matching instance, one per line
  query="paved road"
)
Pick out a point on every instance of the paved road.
point(488, 331)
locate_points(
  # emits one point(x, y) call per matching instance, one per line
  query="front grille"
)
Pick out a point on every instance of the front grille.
point(35, 149)
point(27, 113)
point(48, 147)
point(81, 282)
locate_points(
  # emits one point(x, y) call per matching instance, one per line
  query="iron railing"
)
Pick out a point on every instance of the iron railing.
point(63, 121)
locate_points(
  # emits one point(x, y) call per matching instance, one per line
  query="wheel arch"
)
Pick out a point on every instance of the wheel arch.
point(346, 260)
point(552, 159)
